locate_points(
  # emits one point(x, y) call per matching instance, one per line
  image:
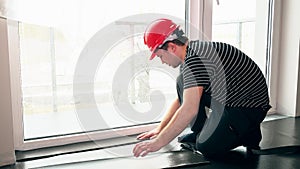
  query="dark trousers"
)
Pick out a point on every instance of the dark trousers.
point(229, 127)
point(226, 127)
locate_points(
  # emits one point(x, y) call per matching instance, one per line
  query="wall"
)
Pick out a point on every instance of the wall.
point(288, 57)
point(7, 155)
point(298, 86)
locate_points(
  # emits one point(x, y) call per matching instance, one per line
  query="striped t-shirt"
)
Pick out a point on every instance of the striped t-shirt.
point(227, 74)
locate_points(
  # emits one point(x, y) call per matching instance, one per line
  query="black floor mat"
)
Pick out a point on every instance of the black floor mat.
point(173, 159)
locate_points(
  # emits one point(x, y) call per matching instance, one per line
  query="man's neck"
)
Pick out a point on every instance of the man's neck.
point(184, 51)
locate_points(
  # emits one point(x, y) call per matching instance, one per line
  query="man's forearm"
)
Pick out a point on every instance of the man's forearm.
point(177, 124)
point(183, 116)
point(170, 113)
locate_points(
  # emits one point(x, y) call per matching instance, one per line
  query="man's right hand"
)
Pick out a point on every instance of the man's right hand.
point(149, 135)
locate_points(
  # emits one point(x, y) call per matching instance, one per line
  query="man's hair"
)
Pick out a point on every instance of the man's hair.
point(180, 41)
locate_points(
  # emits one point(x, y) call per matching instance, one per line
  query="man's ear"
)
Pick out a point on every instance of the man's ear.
point(172, 46)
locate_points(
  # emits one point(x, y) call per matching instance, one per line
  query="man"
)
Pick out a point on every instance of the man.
point(213, 75)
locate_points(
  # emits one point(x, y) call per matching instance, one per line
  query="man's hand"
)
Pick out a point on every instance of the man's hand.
point(149, 135)
point(145, 147)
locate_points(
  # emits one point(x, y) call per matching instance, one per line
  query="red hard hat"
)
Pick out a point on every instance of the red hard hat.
point(157, 32)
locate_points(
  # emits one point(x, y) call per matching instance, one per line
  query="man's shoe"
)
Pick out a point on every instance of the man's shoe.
point(188, 138)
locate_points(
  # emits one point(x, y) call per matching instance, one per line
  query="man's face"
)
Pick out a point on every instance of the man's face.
point(168, 57)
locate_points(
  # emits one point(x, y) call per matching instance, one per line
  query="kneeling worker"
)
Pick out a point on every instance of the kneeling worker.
point(214, 75)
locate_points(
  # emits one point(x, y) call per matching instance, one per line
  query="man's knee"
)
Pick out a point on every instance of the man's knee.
point(209, 150)
point(222, 140)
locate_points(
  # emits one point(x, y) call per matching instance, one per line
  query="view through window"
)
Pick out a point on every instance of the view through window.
point(49, 59)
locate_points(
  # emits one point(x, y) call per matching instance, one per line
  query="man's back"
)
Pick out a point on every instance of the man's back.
point(231, 77)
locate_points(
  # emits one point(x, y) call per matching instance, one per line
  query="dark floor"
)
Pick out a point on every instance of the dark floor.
point(278, 132)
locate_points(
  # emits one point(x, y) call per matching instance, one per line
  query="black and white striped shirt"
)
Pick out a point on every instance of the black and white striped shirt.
point(226, 73)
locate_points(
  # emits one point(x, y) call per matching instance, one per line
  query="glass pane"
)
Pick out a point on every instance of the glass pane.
point(50, 58)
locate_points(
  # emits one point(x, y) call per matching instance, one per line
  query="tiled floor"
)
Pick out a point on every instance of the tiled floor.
point(277, 131)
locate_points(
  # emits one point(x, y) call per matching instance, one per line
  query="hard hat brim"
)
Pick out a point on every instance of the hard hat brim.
point(153, 54)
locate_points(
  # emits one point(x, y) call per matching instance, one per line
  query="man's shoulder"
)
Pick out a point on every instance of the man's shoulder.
point(201, 44)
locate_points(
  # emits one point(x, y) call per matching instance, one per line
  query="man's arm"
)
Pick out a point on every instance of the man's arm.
point(168, 116)
point(180, 120)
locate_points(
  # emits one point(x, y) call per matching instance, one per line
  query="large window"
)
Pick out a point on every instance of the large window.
point(92, 73)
